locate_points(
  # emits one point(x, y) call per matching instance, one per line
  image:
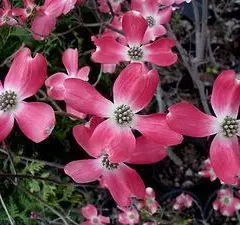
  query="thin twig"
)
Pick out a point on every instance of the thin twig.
point(23, 158)
point(5, 208)
point(99, 77)
point(32, 177)
point(10, 155)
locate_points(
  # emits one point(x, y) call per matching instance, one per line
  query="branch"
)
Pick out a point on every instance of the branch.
point(5, 208)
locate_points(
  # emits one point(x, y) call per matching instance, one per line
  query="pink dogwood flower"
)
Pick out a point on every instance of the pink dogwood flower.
point(110, 51)
point(26, 75)
point(6, 14)
point(186, 119)
point(93, 218)
point(55, 83)
point(183, 201)
point(129, 216)
point(207, 171)
point(122, 181)
point(149, 201)
point(132, 91)
point(46, 18)
point(26, 12)
point(155, 18)
point(115, 4)
point(226, 203)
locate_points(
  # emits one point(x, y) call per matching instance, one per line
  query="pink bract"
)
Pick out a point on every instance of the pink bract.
point(132, 91)
point(90, 213)
point(26, 75)
point(110, 51)
point(226, 203)
point(188, 120)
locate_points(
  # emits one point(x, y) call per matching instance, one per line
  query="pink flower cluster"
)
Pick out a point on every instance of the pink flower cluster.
point(45, 16)
point(183, 201)
point(226, 203)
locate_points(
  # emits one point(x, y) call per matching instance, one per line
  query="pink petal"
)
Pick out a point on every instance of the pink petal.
point(83, 73)
point(150, 193)
point(75, 113)
point(54, 7)
point(133, 181)
point(6, 125)
point(225, 95)
point(68, 5)
point(89, 211)
point(35, 119)
point(164, 15)
point(86, 223)
point(225, 158)
point(160, 52)
point(119, 191)
point(26, 74)
point(83, 97)
point(82, 134)
point(138, 5)
point(134, 27)
point(135, 86)
point(43, 25)
point(6, 4)
point(104, 219)
point(166, 2)
point(151, 6)
point(118, 142)
point(155, 128)
point(153, 33)
point(108, 68)
point(186, 119)
point(55, 86)
point(147, 152)
point(109, 51)
point(70, 61)
point(84, 171)
point(94, 122)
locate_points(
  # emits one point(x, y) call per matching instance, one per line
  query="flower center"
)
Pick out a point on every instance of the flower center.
point(28, 10)
point(107, 164)
point(229, 126)
point(150, 201)
point(5, 18)
point(95, 220)
point(151, 21)
point(226, 200)
point(8, 100)
point(123, 114)
point(135, 53)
